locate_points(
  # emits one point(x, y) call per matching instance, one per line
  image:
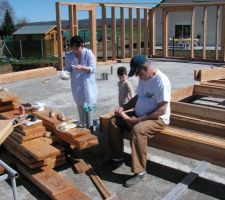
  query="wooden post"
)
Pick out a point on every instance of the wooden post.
point(113, 33)
point(151, 32)
point(92, 19)
point(75, 21)
point(138, 31)
point(131, 40)
point(217, 32)
point(204, 32)
point(71, 20)
point(104, 33)
point(146, 32)
point(223, 33)
point(192, 32)
point(122, 32)
point(165, 33)
point(59, 35)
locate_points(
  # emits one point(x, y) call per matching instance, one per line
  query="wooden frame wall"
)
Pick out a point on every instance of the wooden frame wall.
point(149, 28)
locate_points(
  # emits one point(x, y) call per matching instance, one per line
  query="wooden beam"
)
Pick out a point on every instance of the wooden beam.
point(204, 32)
point(27, 74)
point(182, 93)
point(179, 9)
point(71, 20)
point(104, 33)
point(192, 32)
point(92, 19)
point(86, 6)
point(113, 33)
point(217, 32)
point(131, 33)
point(201, 112)
point(75, 27)
point(152, 30)
point(223, 33)
point(59, 36)
point(146, 32)
point(123, 30)
point(165, 33)
point(206, 90)
point(138, 30)
point(209, 74)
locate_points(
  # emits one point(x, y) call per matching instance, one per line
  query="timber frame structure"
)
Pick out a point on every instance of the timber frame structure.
point(149, 28)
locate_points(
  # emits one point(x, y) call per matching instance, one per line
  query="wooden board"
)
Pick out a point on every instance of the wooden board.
point(27, 74)
point(73, 194)
point(5, 129)
point(207, 90)
point(21, 138)
point(49, 181)
point(8, 96)
point(31, 130)
point(182, 93)
point(39, 149)
point(209, 74)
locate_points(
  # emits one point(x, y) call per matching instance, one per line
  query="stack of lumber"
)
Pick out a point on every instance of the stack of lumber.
point(81, 138)
point(8, 101)
point(36, 155)
point(31, 147)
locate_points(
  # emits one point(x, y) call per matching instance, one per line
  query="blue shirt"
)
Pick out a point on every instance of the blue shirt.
point(83, 84)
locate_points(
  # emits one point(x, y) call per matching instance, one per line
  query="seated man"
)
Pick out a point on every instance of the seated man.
point(151, 115)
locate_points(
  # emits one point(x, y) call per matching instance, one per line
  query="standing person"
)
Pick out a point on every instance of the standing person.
point(126, 91)
point(151, 115)
point(81, 64)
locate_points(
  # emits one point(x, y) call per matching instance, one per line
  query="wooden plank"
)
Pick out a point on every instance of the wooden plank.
point(146, 32)
point(6, 96)
point(31, 131)
point(194, 123)
point(206, 90)
point(181, 187)
point(192, 32)
point(59, 35)
point(71, 20)
point(216, 83)
point(85, 6)
point(209, 74)
point(21, 138)
point(138, 30)
point(49, 181)
point(223, 34)
point(182, 93)
point(73, 194)
point(131, 33)
point(165, 33)
point(27, 74)
point(201, 112)
point(8, 107)
point(93, 40)
point(113, 33)
point(217, 32)
point(5, 129)
point(104, 33)
point(204, 32)
point(123, 30)
point(75, 21)
point(39, 149)
point(152, 31)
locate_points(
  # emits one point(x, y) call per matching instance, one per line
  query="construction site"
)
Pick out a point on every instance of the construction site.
point(40, 160)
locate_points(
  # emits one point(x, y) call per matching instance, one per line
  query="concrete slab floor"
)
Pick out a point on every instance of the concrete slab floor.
point(165, 169)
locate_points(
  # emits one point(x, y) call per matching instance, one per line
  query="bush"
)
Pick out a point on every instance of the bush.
point(33, 63)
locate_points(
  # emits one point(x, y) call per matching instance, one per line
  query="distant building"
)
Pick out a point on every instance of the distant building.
point(179, 24)
point(36, 41)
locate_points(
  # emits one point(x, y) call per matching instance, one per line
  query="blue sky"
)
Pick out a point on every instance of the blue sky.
point(44, 10)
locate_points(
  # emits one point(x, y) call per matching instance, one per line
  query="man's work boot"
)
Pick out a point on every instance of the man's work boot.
point(137, 178)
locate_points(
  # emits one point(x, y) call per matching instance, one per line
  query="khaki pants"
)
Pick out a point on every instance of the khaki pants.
point(138, 134)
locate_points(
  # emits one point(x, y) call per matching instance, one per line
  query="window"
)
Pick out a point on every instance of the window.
point(182, 31)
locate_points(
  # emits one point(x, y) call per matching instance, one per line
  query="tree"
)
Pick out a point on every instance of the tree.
point(4, 5)
point(7, 25)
